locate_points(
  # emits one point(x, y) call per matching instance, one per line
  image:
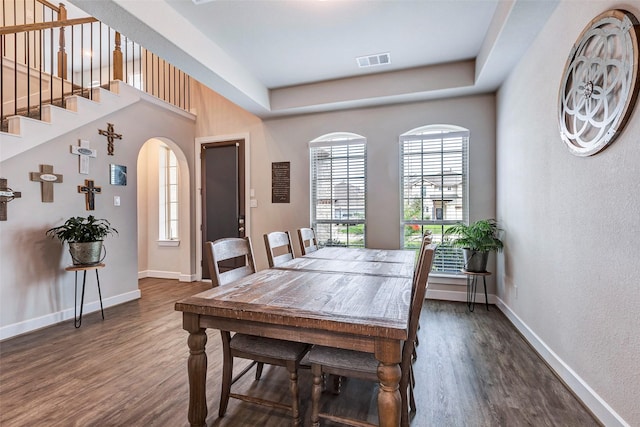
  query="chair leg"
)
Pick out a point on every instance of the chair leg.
point(259, 367)
point(412, 384)
point(412, 377)
point(227, 376)
point(316, 391)
point(404, 415)
point(412, 401)
point(295, 394)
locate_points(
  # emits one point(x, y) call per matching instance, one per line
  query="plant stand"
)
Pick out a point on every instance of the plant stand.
point(77, 321)
point(472, 284)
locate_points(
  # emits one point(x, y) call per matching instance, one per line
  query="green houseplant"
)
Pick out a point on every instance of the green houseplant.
point(84, 236)
point(476, 240)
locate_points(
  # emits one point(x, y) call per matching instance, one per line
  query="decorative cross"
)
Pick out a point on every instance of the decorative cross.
point(89, 191)
point(46, 178)
point(6, 195)
point(110, 134)
point(84, 152)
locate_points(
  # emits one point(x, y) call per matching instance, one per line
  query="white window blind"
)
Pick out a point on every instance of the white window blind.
point(434, 188)
point(338, 189)
point(168, 193)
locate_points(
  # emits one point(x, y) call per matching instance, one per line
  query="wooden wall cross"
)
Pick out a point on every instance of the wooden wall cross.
point(111, 135)
point(46, 178)
point(6, 195)
point(84, 152)
point(90, 191)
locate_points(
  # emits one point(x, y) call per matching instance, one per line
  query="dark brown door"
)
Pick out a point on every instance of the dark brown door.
point(223, 210)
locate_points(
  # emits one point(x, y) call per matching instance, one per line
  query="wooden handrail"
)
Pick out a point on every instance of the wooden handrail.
point(50, 5)
point(45, 25)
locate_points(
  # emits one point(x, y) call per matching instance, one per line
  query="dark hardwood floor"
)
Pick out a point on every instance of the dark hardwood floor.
point(473, 369)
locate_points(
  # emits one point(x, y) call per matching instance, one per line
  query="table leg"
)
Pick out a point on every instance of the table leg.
point(197, 370)
point(389, 400)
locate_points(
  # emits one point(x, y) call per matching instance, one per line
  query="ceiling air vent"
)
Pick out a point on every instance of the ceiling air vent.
point(373, 60)
point(197, 2)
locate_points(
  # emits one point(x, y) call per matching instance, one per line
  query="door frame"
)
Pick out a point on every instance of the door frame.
point(198, 187)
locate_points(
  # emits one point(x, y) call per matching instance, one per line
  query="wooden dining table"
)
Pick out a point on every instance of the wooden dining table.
point(358, 311)
point(365, 254)
point(348, 267)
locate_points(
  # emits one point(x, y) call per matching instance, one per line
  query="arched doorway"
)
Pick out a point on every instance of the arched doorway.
point(164, 211)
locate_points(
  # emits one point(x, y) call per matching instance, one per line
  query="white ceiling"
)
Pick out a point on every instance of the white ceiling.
point(283, 57)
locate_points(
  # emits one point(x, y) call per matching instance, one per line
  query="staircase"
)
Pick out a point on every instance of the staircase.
point(25, 133)
point(49, 90)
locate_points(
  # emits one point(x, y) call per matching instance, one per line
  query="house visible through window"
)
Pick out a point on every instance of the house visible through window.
point(338, 189)
point(434, 190)
point(168, 193)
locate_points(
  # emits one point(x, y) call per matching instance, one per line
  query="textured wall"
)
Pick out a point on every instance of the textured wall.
point(570, 269)
point(287, 139)
point(33, 283)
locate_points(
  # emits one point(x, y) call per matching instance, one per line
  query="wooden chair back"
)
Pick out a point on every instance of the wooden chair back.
point(279, 247)
point(236, 249)
point(308, 240)
point(419, 292)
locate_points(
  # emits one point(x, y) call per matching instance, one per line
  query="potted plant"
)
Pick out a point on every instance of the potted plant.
point(476, 240)
point(85, 236)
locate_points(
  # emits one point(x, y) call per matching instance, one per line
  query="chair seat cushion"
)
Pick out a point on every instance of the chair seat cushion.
point(268, 347)
point(343, 359)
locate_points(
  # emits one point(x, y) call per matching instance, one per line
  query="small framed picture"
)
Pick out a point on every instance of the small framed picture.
point(118, 174)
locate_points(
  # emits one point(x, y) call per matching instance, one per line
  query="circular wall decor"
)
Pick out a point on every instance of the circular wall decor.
point(600, 83)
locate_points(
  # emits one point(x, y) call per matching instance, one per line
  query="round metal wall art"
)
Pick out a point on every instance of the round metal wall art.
point(600, 83)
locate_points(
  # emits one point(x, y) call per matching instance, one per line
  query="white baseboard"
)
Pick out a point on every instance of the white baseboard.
point(187, 278)
point(460, 296)
point(174, 275)
point(598, 407)
point(30, 325)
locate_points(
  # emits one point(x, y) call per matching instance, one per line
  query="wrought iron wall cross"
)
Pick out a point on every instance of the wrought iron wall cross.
point(111, 135)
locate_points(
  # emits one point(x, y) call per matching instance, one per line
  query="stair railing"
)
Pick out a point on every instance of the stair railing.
point(46, 57)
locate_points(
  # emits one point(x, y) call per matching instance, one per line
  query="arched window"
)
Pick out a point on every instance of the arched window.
point(167, 193)
point(434, 187)
point(338, 189)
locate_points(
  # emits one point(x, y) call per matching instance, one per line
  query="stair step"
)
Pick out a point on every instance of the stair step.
point(24, 133)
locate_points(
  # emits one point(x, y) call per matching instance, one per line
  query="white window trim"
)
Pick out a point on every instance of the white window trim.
point(168, 242)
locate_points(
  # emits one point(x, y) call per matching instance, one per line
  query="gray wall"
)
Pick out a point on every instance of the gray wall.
point(287, 139)
point(568, 277)
point(34, 288)
point(570, 272)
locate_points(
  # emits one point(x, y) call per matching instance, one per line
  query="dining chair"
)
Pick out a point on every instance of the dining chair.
point(279, 247)
point(308, 240)
point(355, 364)
point(260, 350)
point(427, 238)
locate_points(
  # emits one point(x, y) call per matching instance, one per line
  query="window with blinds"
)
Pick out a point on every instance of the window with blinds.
point(338, 189)
point(434, 188)
point(168, 193)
